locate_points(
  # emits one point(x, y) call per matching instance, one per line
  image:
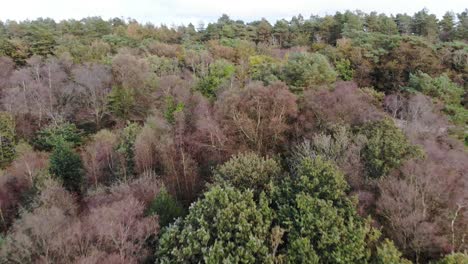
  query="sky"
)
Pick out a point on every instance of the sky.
point(177, 12)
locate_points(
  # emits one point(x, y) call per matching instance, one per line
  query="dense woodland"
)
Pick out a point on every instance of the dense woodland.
point(329, 139)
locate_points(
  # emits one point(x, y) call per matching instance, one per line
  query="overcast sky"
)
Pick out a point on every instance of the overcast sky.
point(185, 11)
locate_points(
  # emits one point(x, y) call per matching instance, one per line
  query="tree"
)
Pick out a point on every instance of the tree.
point(404, 23)
point(264, 68)
point(381, 23)
point(166, 208)
point(19, 181)
point(257, 118)
point(122, 103)
point(7, 139)
point(346, 104)
point(100, 158)
point(440, 87)
point(93, 82)
point(321, 221)
point(447, 25)
point(281, 33)
point(386, 148)
point(249, 171)
point(425, 24)
point(387, 253)
point(345, 70)
point(225, 225)
point(462, 27)
point(219, 73)
point(454, 258)
point(48, 137)
point(113, 229)
point(307, 70)
point(7, 65)
point(41, 90)
point(126, 149)
point(66, 165)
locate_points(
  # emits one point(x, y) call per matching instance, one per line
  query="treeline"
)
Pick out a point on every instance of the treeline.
point(20, 40)
point(336, 139)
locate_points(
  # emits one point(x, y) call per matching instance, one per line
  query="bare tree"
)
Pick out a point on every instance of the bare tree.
point(94, 85)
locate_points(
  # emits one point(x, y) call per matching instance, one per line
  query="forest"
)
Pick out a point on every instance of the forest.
point(330, 139)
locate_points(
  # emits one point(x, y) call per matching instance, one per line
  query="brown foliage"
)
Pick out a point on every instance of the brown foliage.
point(130, 71)
point(99, 157)
point(164, 50)
point(41, 90)
point(93, 83)
point(424, 204)
point(346, 104)
point(7, 65)
point(257, 118)
point(114, 229)
point(221, 52)
point(161, 148)
point(409, 57)
point(16, 181)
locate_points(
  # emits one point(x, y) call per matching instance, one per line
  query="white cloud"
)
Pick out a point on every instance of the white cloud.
point(185, 11)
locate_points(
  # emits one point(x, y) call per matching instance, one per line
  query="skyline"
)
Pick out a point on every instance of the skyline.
point(183, 12)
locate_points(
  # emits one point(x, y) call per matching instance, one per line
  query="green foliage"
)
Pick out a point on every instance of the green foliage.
point(457, 114)
point(454, 258)
point(219, 72)
point(320, 178)
point(172, 108)
point(66, 165)
point(225, 226)
point(7, 139)
point(301, 251)
point(263, 68)
point(376, 95)
point(305, 70)
point(47, 138)
point(320, 219)
point(344, 69)
point(126, 148)
point(163, 66)
point(449, 93)
point(387, 253)
point(386, 148)
point(166, 207)
point(440, 87)
point(249, 171)
point(122, 102)
point(41, 38)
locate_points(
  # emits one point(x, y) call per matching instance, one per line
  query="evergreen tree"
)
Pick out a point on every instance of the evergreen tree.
point(67, 166)
point(7, 139)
